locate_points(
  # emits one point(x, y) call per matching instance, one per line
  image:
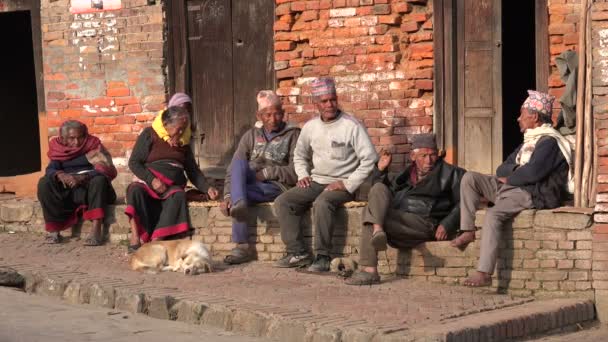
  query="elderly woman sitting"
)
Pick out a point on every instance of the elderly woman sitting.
point(78, 179)
point(156, 202)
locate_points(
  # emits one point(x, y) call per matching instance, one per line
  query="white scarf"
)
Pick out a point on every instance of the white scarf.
point(532, 136)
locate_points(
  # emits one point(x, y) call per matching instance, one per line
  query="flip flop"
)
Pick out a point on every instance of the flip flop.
point(53, 238)
point(92, 241)
point(379, 240)
point(473, 282)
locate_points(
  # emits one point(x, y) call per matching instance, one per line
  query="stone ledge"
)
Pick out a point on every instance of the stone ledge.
point(543, 253)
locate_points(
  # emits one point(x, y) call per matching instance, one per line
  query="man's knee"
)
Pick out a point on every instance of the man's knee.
point(469, 179)
point(324, 202)
point(379, 189)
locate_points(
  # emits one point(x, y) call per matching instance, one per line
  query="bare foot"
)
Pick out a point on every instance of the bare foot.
point(463, 240)
point(478, 279)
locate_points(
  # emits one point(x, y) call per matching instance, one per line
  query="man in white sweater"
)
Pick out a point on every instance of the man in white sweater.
point(333, 157)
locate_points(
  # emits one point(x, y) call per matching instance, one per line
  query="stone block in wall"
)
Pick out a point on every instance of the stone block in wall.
point(17, 211)
point(560, 220)
point(199, 217)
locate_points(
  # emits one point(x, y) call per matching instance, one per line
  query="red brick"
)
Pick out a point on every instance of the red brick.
point(79, 103)
point(284, 46)
point(115, 84)
point(309, 15)
point(288, 73)
point(132, 109)
point(123, 101)
point(286, 56)
point(116, 92)
point(410, 26)
point(70, 113)
point(402, 7)
point(101, 102)
point(600, 228)
point(105, 121)
point(281, 26)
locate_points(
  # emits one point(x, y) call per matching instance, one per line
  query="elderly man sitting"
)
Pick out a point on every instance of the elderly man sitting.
point(420, 204)
point(78, 180)
point(261, 169)
point(535, 175)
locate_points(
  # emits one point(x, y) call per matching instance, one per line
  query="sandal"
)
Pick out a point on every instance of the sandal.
point(363, 278)
point(53, 238)
point(379, 241)
point(237, 256)
point(478, 280)
point(133, 248)
point(92, 241)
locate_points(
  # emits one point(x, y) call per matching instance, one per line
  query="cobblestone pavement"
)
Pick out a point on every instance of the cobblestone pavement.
point(25, 318)
point(396, 302)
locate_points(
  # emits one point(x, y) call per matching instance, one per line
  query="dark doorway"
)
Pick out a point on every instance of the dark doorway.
point(518, 66)
point(20, 141)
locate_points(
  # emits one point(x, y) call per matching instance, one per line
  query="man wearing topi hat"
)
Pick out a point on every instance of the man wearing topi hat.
point(420, 204)
point(536, 175)
point(333, 157)
point(261, 169)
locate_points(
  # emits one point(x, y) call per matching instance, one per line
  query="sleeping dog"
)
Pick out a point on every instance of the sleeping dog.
point(190, 257)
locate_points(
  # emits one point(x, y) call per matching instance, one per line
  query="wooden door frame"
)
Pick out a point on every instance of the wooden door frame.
point(445, 110)
point(26, 185)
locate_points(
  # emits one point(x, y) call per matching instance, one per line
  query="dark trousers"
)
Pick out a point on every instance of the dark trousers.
point(61, 205)
point(403, 230)
point(292, 204)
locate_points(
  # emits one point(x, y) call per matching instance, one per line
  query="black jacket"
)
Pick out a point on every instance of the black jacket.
point(545, 176)
point(436, 197)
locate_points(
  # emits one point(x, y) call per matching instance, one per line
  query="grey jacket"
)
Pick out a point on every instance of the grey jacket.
point(273, 157)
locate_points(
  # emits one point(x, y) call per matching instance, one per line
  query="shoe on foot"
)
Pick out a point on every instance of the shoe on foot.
point(239, 210)
point(321, 264)
point(293, 260)
point(363, 278)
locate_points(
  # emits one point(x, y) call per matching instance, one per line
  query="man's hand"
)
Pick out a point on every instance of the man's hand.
point(67, 180)
point(225, 206)
point(304, 182)
point(81, 179)
point(441, 234)
point(385, 159)
point(159, 186)
point(259, 176)
point(213, 193)
point(335, 186)
point(503, 180)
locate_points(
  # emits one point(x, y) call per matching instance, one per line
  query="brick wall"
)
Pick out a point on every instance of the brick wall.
point(599, 18)
point(564, 16)
point(379, 51)
point(105, 69)
point(544, 254)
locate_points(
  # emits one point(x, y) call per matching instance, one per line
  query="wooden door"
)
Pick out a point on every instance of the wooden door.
point(479, 85)
point(230, 58)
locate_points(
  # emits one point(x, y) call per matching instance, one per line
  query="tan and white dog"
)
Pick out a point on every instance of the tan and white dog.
point(190, 257)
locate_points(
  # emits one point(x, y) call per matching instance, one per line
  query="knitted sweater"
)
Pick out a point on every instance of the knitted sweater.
point(338, 150)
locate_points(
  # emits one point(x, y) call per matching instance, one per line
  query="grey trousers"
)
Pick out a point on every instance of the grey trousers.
point(292, 204)
point(403, 230)
point(508, 201)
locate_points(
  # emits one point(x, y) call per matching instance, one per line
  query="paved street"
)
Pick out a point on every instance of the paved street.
point(27, 318)
point(597, 334)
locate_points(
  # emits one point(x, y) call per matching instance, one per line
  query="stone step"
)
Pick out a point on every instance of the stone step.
point(519, 319)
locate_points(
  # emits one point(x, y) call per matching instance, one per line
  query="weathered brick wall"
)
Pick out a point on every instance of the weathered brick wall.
point(379, 51)
point(564, 16)
point(544, 254)
point(105, 69)
point(599, 26)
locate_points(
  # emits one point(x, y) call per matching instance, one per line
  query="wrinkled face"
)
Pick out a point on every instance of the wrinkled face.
point(176, 129)
point(425, 159)
point(527, 119)
point(327, 105)
point(74, 138)
point(195, 264)
point(271, 117)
